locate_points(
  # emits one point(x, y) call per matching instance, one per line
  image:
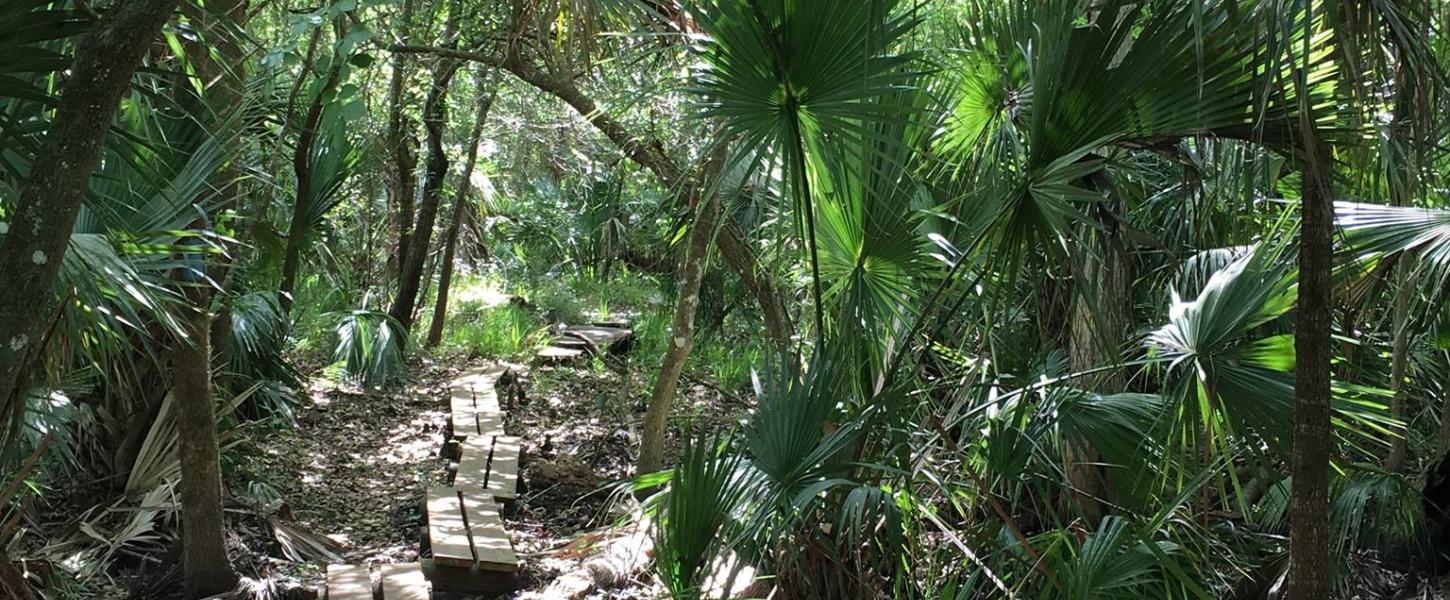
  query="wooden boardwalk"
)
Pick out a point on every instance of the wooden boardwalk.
point(471, 549)
point(575, 342)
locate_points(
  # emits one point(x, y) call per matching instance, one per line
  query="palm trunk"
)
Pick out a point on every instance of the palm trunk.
point(206, 566)
point(1399, 361)
point(34, 236)
point(460, 208)
point(207, 570)
point(435, 117)
point(1101, 311)
point(1313, 442)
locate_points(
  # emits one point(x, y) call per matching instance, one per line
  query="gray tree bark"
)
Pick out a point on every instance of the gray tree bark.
point(682, 339)
point(33, 238)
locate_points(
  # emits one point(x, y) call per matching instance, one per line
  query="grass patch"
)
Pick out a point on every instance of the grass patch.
point(503, 331)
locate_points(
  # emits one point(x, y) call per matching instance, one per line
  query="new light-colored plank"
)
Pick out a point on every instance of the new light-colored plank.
point(503, 470)
point(405, 581)
point(447, 531)
point(489, 423)
point(349, 582)
point(489, 465)
point(490, 541)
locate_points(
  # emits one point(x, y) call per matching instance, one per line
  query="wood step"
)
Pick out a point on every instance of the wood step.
point(405, 581)
point(604, 337)
point(466, 531)
point(349, 582)
point(489, 465)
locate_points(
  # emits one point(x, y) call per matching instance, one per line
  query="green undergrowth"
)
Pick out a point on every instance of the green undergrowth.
point(486, 320)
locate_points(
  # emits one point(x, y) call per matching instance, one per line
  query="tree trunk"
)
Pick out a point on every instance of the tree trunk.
point(1101, 311)
point(206, 566)
point(682, 338)
point(34, 236)
point(404, 161)
point(460, 206)
point(435, 118)
point(302, 168)
point(207, 570)
point(740, 257)
point(1313, 441)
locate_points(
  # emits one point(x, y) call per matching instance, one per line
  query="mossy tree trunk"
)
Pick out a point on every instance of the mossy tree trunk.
point(33, 238)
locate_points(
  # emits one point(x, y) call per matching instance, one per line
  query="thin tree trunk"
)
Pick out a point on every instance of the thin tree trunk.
point(34, 236)
point(1313, 442)
point(741, 259)
point(1399, 360)
point(404, 161)
point(206, 566)
point(682, 339)
point(460, 207)
point(435, 118)
point(204, 559)
point(302, 167)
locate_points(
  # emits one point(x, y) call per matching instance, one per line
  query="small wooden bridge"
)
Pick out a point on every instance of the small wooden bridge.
point(471, 550)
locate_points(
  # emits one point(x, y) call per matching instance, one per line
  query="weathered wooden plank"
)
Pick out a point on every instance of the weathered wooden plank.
point(404, 581)
point(557, 354)
point(604, 337)
point(491, 542)
point(447, 530)
point(489, 465)
point(349, 582)
point(469, 580)
point(463, 415)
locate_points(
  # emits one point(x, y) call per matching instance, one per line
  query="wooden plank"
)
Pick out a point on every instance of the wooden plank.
point(463, 413)
point(404, 581)
point(602, 336)
point(447, 530)
point(475, 415)
point(469, 580)
point(503, 470)
point(557, 354)
point(489, 465)
point(491, 542)
point(349, 582)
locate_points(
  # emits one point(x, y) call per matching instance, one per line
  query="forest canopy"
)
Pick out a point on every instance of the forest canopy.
point(724, 299)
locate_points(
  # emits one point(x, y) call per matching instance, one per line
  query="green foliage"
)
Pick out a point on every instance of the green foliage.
point(370, 346)
point(697, 514)
point(506, 331)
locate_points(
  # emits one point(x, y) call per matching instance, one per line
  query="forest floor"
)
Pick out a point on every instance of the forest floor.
point(356, 468)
